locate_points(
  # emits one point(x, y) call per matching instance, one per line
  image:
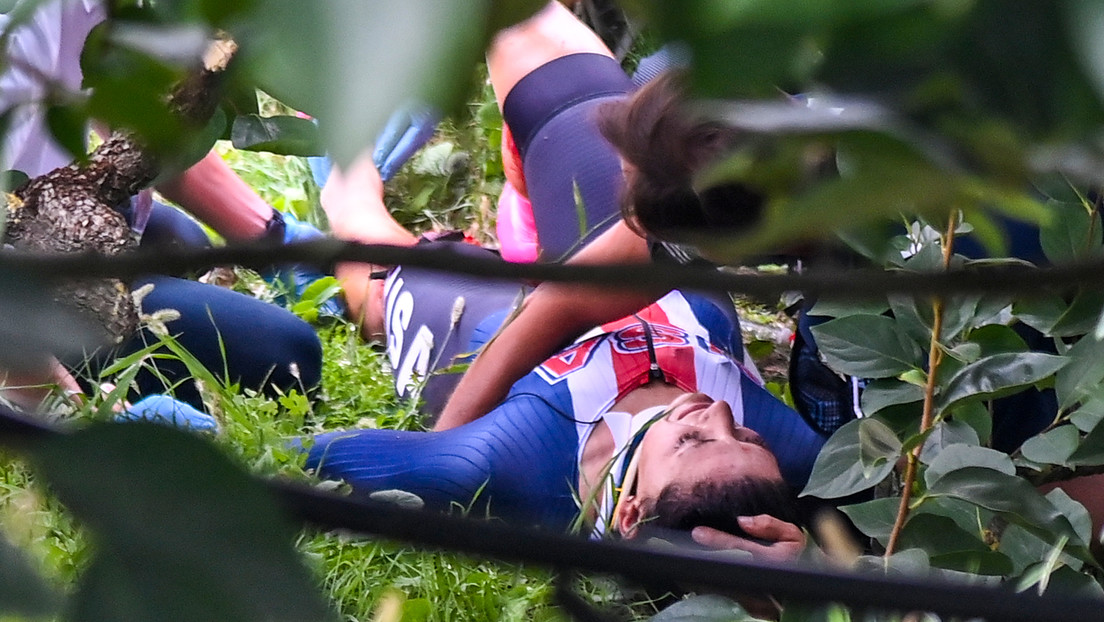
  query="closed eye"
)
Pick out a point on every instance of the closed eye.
point(690, 435)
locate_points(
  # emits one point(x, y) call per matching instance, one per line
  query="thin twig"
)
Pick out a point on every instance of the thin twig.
point(935, 357)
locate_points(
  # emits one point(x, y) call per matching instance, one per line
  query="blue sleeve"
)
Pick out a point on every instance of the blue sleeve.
point(793, 442)
point(517, 463)
point(717, 314)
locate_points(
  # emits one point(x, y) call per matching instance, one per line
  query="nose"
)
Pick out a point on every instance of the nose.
point(719, 415)
point(688, 407)
point(705, 413)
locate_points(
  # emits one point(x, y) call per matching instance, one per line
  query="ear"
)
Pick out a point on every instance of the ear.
point(629, 517)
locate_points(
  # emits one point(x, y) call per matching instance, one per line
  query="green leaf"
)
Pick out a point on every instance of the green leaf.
point(882, 175)
point(945, 434)
point(1088, 414)
point(867, 346)
point(1053, 316)
point(880, 394)
point(967, 516)
point(759, 349)
point(910, 562)
point(960, 456)
point(992, 310)
point(130, 90)
point(958, 313)
point(177, 44)
point(998, 375)
point(997, 339)
point(10, 180)
point(1040, 573)
point(965, 352)
point(949, 546)
point(1082, 316)
point(847, 465)
point(69, 127)
point(704, 608)
point(915, 319)
point(350, 64)
point(1083, 373)
point(874, 518)
point(978, 417)
point(808, 612)
point(1073, 233)
point(1065, 581)
point(283, 135)
point(22, 590)
point(1078, 516)
point(1091, 450)
point(877, 445)
point(841, 308)
point(416, 610)
point(1025, 549)
point(182, 533)
point(1053, 446)
point(1013, 497)
point(1040, 312)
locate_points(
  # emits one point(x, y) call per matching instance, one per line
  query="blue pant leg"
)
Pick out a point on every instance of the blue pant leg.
point(237, 337)
point(168, 226)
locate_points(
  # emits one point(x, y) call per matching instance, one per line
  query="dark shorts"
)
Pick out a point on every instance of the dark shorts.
point(436, 320)
point(552, 113)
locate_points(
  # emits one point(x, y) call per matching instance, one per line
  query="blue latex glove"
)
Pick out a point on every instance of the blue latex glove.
point(320, 167)
point(299, 278)
point(408, 129)
point(169, 411)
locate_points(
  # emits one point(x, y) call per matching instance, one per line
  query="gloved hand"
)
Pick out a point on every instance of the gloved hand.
point(303, 279)
point(169, 411)
point(409, 127)
point(406, 131)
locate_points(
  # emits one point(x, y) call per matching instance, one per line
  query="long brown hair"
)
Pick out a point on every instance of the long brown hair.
point(665, 146)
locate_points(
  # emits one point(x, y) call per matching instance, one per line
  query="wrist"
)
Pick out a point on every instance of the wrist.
point(275, 228)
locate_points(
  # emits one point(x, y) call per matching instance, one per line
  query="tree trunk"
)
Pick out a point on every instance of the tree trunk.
point(74, 209)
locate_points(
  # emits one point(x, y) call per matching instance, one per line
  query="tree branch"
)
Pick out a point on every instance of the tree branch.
point(935, 357)
point(834, 284)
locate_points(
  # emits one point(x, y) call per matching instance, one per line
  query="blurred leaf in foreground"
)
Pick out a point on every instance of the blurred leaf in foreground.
point(181, 532)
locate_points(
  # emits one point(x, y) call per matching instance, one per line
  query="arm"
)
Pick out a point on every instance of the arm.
point(782, 541)
point(28, 389)
point(552, 315)
point(353, 202)
point(214, 193)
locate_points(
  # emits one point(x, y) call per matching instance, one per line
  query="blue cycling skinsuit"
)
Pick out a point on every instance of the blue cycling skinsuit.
point(520, 462)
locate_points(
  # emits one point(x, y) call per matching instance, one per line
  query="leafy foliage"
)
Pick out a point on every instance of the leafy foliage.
point(994, 505)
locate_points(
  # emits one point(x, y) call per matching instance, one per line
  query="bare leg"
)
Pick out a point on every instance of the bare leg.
point(551, 33)
point(353, 202)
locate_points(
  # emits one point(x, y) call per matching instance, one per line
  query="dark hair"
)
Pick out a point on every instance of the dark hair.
point(667, 146)
point(718, 504)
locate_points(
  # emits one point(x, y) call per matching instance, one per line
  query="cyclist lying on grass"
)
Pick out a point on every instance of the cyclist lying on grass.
point(656, 420)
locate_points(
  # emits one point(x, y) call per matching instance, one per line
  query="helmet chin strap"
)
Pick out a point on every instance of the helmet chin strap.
point(628, 474)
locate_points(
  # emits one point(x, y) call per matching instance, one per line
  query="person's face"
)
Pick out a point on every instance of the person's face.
point(699, 441)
